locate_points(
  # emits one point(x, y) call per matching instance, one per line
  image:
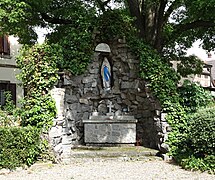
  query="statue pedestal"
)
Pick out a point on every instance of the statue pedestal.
point(110, 130)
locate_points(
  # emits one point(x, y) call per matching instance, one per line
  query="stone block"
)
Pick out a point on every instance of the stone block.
point(57, 140)
point(140, 99)
point(123, 96)
point(55, 132)
point(86, 115)
point(164, 148)
point(147, 113)
point(83, 101)
point(74, 106)
point(125, 78)
point(58, 95)
point(102, 108)
point(94, 70)
point(127, 102)
point(88, 90)
point(126, 85)
point(131, 66)
point(71, 99)
point(66, 140)
point(163, 115)
point(58, 149)
point(94, 84)
point(86, 108)
point(87, 79)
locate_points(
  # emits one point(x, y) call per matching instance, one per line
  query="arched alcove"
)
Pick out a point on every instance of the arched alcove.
point(103, 47)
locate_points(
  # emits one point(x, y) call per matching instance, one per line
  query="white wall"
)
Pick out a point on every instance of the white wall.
point(9, 73)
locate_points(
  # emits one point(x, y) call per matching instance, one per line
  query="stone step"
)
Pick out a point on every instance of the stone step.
point(87, 153)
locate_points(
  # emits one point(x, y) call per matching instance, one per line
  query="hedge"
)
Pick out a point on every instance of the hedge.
point(200, 154)
point(19, 146)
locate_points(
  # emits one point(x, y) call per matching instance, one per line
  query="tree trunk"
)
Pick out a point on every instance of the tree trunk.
point(149, 20)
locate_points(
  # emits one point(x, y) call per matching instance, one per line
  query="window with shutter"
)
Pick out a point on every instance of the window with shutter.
point(4, 45)
point(7, 86)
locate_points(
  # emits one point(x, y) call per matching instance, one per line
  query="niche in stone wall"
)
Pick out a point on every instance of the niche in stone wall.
point(106, 66)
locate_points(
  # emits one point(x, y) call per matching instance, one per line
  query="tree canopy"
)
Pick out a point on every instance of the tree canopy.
point(169, 26)
point(160, 21)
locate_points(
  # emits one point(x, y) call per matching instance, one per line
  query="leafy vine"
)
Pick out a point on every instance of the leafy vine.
point(38, 75)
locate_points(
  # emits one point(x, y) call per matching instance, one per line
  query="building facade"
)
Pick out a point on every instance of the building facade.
point(9, 48)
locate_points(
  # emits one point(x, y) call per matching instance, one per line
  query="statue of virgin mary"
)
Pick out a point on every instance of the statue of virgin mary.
point(106, 74)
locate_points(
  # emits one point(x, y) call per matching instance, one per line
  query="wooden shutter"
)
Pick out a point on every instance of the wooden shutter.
point(1, 45)
point(4, 45)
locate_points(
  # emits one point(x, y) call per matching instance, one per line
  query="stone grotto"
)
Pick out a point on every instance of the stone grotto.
point(108, 105)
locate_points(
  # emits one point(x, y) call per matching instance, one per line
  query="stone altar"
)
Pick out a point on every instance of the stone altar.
point(110, 130)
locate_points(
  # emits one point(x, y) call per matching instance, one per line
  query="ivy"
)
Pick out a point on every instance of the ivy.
point(179, 104)
point(160, 76)
point(38, 75)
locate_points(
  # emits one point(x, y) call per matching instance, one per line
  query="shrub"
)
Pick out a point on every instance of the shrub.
point(19, 146)
point(201, 131)
point(193, 96)
point(196, 151)
point(8, 112)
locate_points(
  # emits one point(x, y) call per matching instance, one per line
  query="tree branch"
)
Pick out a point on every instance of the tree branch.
point(180, 28)
point(54, 20)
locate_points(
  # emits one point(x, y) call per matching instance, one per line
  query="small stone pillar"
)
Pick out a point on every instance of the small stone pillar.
point(58, 95)
point(56, 132)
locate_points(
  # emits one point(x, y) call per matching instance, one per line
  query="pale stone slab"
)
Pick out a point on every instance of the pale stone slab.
point(110, 129)
point(102, 47)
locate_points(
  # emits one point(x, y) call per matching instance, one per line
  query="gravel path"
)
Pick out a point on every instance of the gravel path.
point(114, 170)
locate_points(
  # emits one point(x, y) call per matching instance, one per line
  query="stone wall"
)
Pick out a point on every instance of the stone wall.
point(84, 94)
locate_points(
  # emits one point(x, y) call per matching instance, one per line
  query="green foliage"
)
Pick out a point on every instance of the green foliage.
point(22, 146)
point(6, 119)
point(203, 164)
point(193, 96)
point(8, 112)
point(76, 38)
point(38, 111)
point(188, 138)
point(196, 150)
point(38, 75)
point(190, 65)
point(19, 146)
point(77, 48)
point(162, 78)
point(201, 131)
point(9, 104)
point(114, 24)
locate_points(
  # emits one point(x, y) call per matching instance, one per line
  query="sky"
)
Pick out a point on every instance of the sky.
point(199, 52)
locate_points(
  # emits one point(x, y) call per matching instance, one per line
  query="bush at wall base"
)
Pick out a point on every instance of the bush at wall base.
point(19, 146)
point(196, 151)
